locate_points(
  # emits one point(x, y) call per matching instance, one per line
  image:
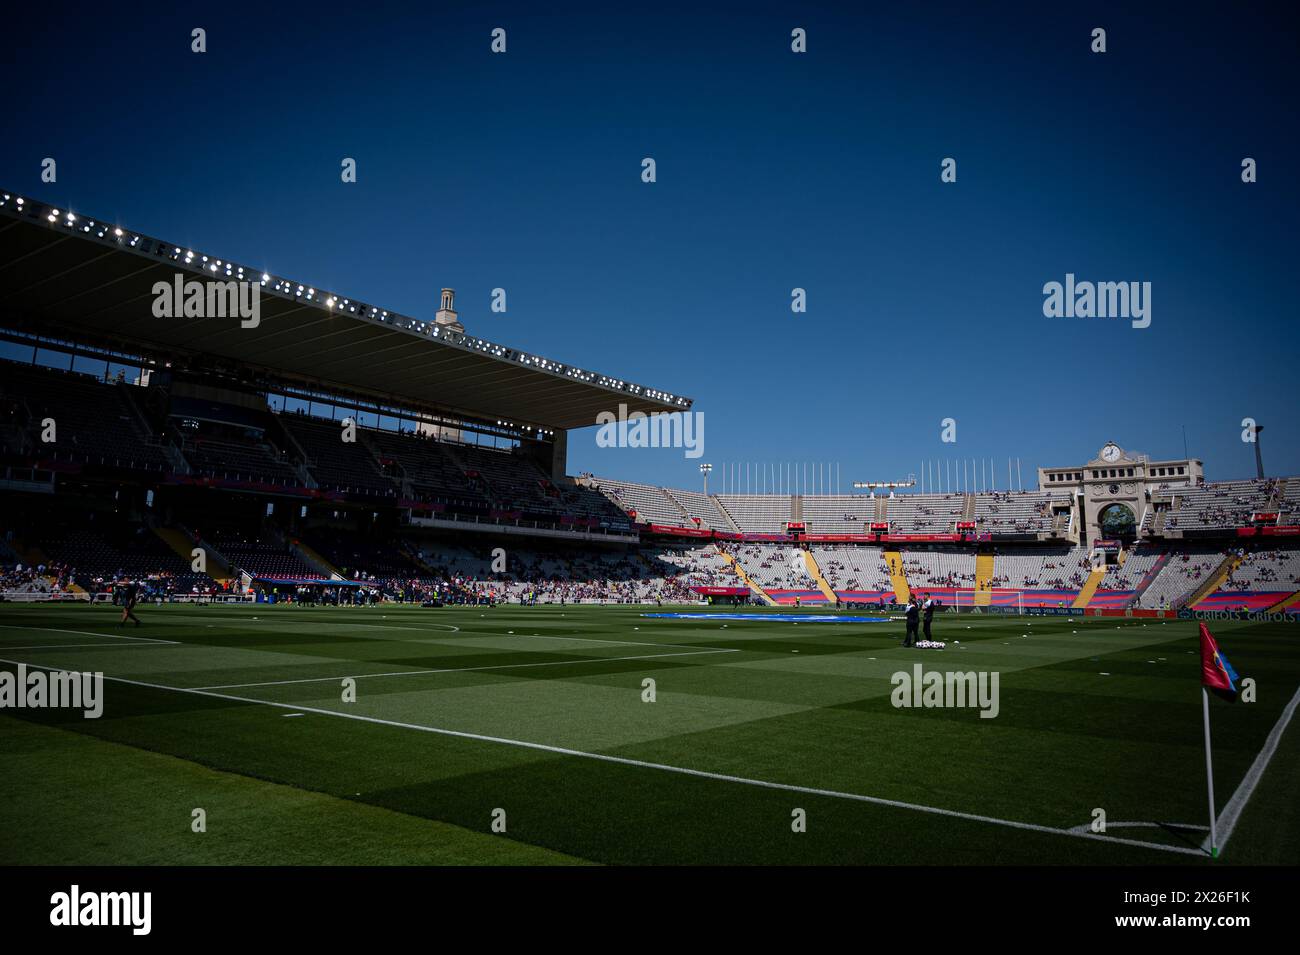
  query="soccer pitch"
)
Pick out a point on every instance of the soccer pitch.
point(538, 719)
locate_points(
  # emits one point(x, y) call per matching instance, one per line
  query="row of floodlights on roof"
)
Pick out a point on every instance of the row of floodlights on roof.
point(511, 424)
point(285, 287)
point(70, 220)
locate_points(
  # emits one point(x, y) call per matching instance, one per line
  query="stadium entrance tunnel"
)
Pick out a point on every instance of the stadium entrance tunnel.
point(1118, 522)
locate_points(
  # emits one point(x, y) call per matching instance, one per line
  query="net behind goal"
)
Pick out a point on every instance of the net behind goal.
point(995, 601)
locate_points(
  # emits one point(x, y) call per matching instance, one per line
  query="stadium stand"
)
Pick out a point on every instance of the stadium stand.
point(1186, 570)
point(1219, 505)
point(696, 504)
point(261, 556)
point(429, 471)
point(838, 513)
point(356, 556)
point(337, 464)
point(95, 559)
point(185, 424)
point(95, 423)
point(854, 571)
point(1261, 579)
point(758, 513)
point(1011, 511)
point(925, 513)
point(933, 567)
point(1061, 567)
point(550, 576)
point(776, 567)
point(650, 504)
point(233, 459)
point(1290, 503)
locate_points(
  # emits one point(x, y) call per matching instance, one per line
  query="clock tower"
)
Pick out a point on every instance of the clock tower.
point(1114, 492)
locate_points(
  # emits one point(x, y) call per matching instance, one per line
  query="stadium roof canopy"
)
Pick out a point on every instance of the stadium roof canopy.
point(92, 281)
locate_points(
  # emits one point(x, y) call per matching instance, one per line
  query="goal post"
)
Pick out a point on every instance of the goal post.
point(993, 601)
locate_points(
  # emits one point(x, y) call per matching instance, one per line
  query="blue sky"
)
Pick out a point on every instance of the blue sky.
point(775, 171)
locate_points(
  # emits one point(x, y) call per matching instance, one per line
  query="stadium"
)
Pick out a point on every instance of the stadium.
point(384, 507)
point(509, 463)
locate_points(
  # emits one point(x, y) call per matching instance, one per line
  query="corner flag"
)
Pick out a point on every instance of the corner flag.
point(1218, 675)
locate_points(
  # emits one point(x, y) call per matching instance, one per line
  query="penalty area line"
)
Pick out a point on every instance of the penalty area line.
point(643, 764)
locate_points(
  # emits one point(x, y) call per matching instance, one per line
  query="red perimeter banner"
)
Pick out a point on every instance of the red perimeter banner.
point(721, 591)
point(1272, 530)
point(680, 531)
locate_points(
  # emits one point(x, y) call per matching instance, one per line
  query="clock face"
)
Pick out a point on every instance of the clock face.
point(1110, 452)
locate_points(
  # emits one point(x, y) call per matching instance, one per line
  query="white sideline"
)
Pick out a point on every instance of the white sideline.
point(76, 646)
point(86, 633)
point(641, 764)
point(1227, 820)
point(495, 666)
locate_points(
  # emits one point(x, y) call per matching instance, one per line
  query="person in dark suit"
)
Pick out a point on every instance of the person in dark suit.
point(927, 613)
point(913, 616)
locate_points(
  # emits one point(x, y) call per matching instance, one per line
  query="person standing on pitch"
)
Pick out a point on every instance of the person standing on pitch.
point(130, 594)
point(913, 614)
point(927, 614)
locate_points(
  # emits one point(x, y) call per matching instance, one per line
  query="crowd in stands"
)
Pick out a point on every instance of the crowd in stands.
point(774, 566)
point(1184, 572)
point(1052, 569)
point(940, 568)
point(1265, 570)
point(1134, 570)
point(1222, 504)
point(53, 579)
point(1019, 512)
point(624, 576)
point(853, 568)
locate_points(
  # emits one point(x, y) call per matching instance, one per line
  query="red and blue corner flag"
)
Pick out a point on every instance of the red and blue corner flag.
point(1217, 673)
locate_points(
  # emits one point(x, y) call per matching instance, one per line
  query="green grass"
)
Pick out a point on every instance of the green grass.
point(803, 705)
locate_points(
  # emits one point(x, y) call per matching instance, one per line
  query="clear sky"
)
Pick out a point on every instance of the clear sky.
point(775, 170)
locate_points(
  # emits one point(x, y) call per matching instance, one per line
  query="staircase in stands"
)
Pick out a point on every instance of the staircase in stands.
point(1212, 583)
point(754, 588)
point(897, 575)
point(818, 577)
point(983, 579)
point(1089, 588)
point(1146, 581)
